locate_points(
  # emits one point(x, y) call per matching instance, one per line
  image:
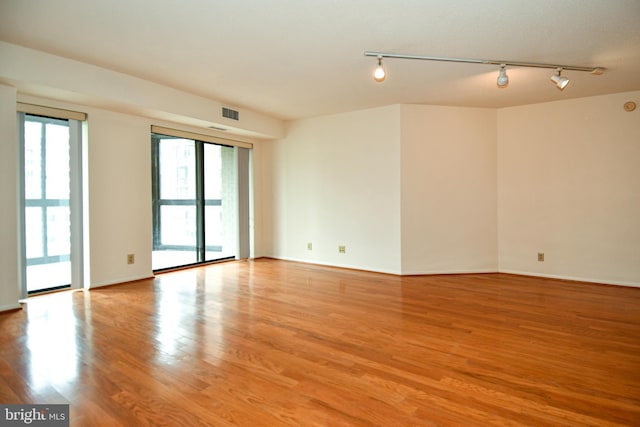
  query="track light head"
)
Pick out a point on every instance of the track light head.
point(379, 74)
point(560, 81)
point(503, 79)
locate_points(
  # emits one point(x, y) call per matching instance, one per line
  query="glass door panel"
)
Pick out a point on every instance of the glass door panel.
point(59, 231)
point(220, 201)
point(215, 202)
point(175, 241)
point(35, 234)
point(177, 169)
point(47, 214)
point(213, 232)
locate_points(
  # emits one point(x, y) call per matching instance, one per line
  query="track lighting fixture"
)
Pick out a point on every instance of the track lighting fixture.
point(379, 74)
point(503, 80)
point(560, 81)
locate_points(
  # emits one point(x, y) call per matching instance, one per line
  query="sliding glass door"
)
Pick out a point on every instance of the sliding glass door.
point(194, 215)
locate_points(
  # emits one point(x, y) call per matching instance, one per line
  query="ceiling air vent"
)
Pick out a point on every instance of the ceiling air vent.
point(230, 114)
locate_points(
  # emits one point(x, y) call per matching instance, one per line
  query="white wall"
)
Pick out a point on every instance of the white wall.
point(335, 180)
point(9, 291)
point(120, 219)
point(449, 190)
point(569, 186)
point(50, 76)
point(408, 189)
point(469, 189)
point(257, 200)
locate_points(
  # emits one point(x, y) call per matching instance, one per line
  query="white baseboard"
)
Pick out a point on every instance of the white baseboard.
point(394, 272)
point(347, 266)
point(572, 278)
point(9, 307)
point(436, 272)
point(121, 281)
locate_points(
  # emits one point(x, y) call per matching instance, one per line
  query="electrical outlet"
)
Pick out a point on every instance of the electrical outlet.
point(541, 256)
point(342, 249)
point(131, 258)
point(309, 246)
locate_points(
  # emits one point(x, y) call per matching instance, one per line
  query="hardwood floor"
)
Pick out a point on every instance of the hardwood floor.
point(268, 343)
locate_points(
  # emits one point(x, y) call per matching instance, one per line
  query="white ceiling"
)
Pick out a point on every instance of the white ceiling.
point(302, 58)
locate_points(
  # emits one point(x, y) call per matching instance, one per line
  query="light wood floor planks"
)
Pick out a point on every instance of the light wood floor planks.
point(269, 343)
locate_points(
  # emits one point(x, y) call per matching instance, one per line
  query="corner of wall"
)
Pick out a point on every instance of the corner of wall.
point(569, 189)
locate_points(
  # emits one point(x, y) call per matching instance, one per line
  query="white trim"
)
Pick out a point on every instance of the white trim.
point(121, 281)
point(21, 246)
point(76, 204)
point(572, 278)
point(243, 239)
point(58, 113)
point(346, 266)
point(442, 272)
point(9, 307)
point(199, 136)
point(437, 272)
point(393, 272)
